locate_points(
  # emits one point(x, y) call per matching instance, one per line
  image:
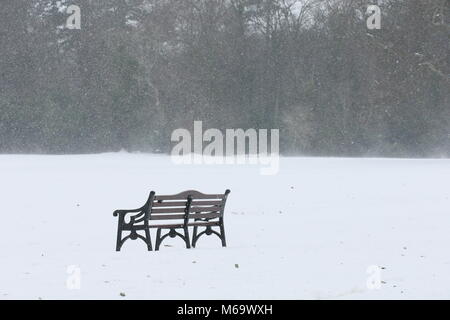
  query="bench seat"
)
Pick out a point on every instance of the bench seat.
point(192, 224)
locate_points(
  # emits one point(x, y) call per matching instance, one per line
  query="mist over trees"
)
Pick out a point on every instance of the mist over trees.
point(139, 69)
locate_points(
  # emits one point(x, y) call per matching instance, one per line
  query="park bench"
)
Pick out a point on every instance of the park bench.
point(173, 213)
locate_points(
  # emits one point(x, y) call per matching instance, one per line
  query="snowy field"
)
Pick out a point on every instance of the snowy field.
point(310, 232)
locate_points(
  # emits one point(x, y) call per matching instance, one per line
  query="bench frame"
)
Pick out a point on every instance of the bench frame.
point(191, 209)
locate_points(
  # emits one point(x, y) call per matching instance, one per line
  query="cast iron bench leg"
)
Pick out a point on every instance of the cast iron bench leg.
point(149, 240)
point(158, 239)
point(186, 238)
point(194, 236)
point(119, 239)
point(222, 235)
point(119, 233)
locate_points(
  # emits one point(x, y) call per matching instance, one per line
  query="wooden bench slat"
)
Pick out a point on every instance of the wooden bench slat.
point(206, 203)
point(194, 197)
point(169, 204)
point(166, 216)
point(165, 226)
point(192, 224)
point(208, 196)
point(203, 224)
point(168, 210)
point(204, 209)
point(205, 216)
point(175, 197)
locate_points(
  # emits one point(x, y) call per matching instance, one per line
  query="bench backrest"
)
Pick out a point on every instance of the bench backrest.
point(187, 205)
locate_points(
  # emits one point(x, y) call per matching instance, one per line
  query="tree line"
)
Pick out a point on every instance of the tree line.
point(139, 69)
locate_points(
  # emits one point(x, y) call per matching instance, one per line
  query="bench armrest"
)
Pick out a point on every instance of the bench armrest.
point(124, 212)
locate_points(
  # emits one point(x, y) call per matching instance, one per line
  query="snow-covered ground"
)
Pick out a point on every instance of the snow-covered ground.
point(310, 232)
